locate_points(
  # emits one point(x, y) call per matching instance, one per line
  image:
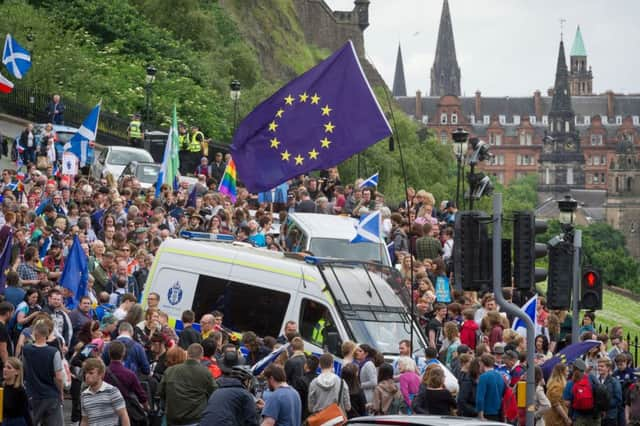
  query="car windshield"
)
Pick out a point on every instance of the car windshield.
point(122, 158)
point(148, 173)
point(343, 249)
point(383, 330)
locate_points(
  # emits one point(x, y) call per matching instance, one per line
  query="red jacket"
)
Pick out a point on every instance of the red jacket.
point(468, 333)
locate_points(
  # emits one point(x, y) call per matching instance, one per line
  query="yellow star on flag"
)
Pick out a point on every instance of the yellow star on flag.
point(285, 155)
point(315, 99)
point(328, 128)
point(325, 142)
point(313, 154)
point(303, 97)
point(279, 113)
point(275, 143)
point(326, 110)
point(299, 159)
point(273, 126)
point(289, 100)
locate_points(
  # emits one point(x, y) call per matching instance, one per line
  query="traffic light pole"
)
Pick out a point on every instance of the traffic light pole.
point(511, 308)
point(575, 319)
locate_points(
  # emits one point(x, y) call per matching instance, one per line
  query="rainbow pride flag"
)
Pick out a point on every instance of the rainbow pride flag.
point(229, 181)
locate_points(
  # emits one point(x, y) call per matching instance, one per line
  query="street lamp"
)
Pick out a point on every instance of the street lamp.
point(150, 78)
point(234, 92)
point(460, 146)
point(567, 207)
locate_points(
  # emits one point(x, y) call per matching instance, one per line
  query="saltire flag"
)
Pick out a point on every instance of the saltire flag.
point(229, 181)
point(170, 160)
point(371, 181)
point(391, 249)
point(275, 195)
point(530, 308)
point(76, 272)
point(5, 258)
point(368, 229)
point(81, 144)
point(15, 57)
point(191, 201)
point(567, 355)
point(259, 366)
point(316, 121)
point(6, 86)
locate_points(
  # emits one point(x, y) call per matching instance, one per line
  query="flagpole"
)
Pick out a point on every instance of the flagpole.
point(406, 191)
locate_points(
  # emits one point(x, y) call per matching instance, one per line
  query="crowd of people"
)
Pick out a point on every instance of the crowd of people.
point(118, 360)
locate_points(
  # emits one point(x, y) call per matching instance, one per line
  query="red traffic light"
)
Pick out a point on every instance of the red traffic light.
point(590, 278)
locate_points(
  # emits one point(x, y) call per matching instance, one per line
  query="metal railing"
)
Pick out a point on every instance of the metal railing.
point(30, 103)
point(634, 345)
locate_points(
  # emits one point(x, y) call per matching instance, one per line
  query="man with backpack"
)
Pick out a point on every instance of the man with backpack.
point(580, 395)
point(614, 390)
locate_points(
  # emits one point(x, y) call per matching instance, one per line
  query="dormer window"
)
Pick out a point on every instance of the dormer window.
point(636, 120)
point(587, 119)
point(443, 118)
point(516, 119)
point(618, 120)
point(425, 119)
point(486, 119)
point(532, 119)
point(454, 118)
point(502, 119)
point(545, 120)
point(472, 119)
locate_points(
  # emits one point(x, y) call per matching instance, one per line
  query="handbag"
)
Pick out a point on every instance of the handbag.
point(330, 415)
point(42, 162)
point(135, 410)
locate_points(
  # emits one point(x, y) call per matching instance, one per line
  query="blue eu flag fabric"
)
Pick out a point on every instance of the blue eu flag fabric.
point(76, 271)
point(316, 121)
point(567, 355)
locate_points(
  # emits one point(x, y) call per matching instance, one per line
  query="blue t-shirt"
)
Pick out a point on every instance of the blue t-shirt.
point(284, 406)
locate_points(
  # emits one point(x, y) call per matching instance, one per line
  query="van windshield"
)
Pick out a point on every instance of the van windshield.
point(343, 249)
point(383, 330)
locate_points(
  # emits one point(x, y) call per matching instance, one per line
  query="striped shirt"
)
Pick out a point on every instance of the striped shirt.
point(101, 408)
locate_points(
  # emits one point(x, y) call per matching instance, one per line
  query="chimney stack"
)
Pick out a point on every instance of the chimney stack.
point(478, 111)
point(610, 105)
point(537, 103)
point(419, 105)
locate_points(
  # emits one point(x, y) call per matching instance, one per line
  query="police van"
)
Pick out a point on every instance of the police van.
point(260, 290)
point(327, 235)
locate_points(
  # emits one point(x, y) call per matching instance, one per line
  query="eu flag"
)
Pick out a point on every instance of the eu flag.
point(76, 272)
point(316, 121)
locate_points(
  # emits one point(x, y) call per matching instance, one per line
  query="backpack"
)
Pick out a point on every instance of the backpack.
point(509, 403)
point(601, 397)
point(582, 393)
point(398, 405)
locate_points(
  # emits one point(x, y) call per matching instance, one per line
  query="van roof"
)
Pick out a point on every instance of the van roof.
point(326, 225)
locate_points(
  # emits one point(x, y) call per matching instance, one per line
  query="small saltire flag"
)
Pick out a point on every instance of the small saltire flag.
point(259, 366)
point(5, 258)
point(76, 272)
point(170, 160)
point(316, 121)
point(371, 181)
point(529, 308)
point(15, 57)
point(368, 229)
point(229, 181)
point(6, 86)
point(81, 144)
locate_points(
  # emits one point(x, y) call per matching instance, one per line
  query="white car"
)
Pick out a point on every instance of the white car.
point(113, 159)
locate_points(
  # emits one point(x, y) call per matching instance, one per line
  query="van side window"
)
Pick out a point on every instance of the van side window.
point(245, 307)
point(315, 324)
point(296, 240)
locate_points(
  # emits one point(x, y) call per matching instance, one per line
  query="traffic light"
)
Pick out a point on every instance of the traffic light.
point(591, 289)
point(471, 259)
point(526, 250)
point(560, 280)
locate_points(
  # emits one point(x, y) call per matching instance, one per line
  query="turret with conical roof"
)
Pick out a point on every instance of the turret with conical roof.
point(580, 76)
point(445, 73)
point(562, 160)
point(399, 84)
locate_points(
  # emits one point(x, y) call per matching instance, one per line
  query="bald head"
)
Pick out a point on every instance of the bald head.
point(206, 322)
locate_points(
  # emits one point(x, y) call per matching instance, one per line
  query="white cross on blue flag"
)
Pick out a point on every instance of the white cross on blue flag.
point(81, 143)
point(368, 230)
point(15, 57)
point(530, 308)
point(371, 181)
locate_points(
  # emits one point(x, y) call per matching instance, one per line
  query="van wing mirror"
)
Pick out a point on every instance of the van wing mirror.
point(333, 342)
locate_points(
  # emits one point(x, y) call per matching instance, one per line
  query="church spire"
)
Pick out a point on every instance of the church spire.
point(561, 103)
point(445, 73)
point(399, 85)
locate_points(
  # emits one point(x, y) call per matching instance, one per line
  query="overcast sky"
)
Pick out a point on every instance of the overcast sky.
point(505, 47)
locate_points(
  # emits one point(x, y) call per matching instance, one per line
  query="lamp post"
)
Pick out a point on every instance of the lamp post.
point(149, 79)
point(234, 92)
point(460, 146)
point(568, 207)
